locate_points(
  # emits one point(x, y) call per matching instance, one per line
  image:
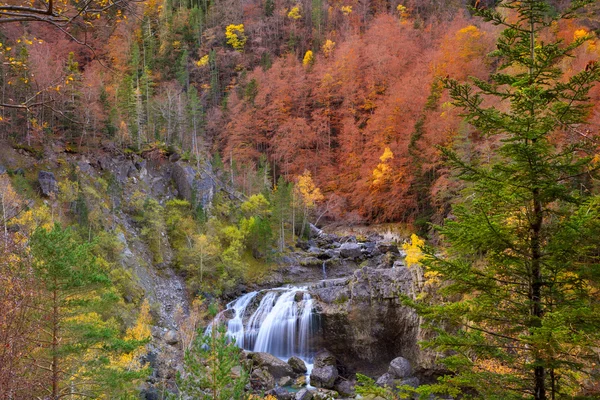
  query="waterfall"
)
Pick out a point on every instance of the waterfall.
point(281, 323)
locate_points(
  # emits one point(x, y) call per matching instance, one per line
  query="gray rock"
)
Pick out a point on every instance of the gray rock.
point(300, 381)
point(324, 377)
point(261, 379)
point(285, 381)
point(2, 169)
point(345, 389)
point(171, 337)
point(298, 366)
point(350, 250)
point(412, 381)
point(325, 394)
point(303, 394)
point(324, 358)
point(19, 171)
point(280, 393)
point(386, 380)
point(236, 372)
point(274, 365)
point(400, 368)
point(388, 247)
point(47, 182)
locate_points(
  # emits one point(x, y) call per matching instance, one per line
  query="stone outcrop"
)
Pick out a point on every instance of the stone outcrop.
point(47, 182)
point(364, 324)
point(276, 367)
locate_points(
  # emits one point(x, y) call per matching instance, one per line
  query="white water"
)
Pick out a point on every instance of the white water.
point(280, 325)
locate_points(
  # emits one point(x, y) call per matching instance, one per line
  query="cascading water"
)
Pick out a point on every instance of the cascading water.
point(281, 324)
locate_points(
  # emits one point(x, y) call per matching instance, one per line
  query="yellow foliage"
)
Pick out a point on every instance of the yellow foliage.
point(141, 331)
point(308, 59)
point(347, 10)
point(414, 255)
point(382, 172)
point(328, 47)
point(402, 12)
point(235, 36)
point(308, 191)
point(579, 33)
point(203, 61)
point(295, 13)
point(469, 38)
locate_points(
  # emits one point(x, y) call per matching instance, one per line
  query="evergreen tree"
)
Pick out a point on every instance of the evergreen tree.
point(209, 368)
point(75, 343)
point(519, 314)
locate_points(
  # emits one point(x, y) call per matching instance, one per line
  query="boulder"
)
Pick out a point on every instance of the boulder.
point(285, 381)
point(2, 169)
point(304, 394)
point(350, 250)
point(272, 364)
point(300, 381)
point(171, 337)
point(298, 366)
point(324, 377)
point(386, 379)
point(412, 381)
point(261, 379)
point(280, 393)
point(345, 388)
point(400, 368)
point(48, 184)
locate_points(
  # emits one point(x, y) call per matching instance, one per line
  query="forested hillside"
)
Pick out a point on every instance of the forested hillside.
point(163, 160)
point(350, 92)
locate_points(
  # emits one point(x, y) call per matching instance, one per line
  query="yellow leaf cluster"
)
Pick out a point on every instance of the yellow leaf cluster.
point(308, 59)
point(328, 47)
point(414, 254)
point(203, 61)
point(402, 12)
point(295, 13)
point(579, 33)
point(308, 191)
point(382, 172)
point(235, 36)
point(346, 10)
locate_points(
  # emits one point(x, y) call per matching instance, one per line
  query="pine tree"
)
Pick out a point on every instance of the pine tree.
point(519, 314)
point(75, 342)
point(209, 368)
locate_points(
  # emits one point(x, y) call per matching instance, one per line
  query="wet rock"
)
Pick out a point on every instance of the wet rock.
point(324, 377)
point(304, 394)
point(345, 388)
point(280, 393)
point(274, 365)
point(285, 381)
point(48, 184)
point(299, 382)
point(400, 368)
point(298, 366)
point(261, 379)
point(350, 250)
